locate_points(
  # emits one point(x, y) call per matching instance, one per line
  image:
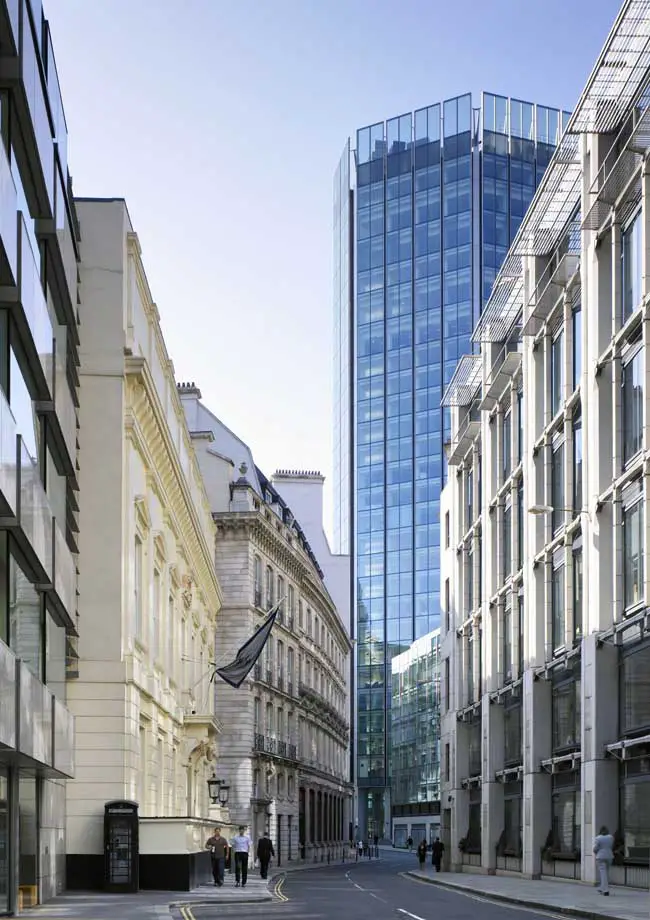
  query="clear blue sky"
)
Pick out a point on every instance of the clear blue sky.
point(221, 123)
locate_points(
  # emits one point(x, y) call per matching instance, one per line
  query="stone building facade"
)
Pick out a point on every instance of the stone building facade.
point(285, 742)
point(546, 569)
point(146, 726)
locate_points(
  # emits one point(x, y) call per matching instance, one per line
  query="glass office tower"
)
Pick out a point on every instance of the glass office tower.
point(425, 209)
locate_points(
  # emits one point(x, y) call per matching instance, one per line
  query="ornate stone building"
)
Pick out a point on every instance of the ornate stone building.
point(146, 728)
point(285, 742)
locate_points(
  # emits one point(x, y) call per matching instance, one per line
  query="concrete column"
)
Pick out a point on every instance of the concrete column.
point(537, 784)
point(491, 791)
point(617, 299)
point(599, 727)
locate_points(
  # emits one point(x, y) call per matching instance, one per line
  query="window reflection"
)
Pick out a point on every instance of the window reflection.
point(22, 407)
point(25, 619)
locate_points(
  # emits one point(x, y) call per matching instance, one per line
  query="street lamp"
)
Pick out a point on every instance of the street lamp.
point(218, 790)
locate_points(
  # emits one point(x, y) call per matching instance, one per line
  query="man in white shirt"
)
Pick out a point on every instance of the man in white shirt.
point(241, 844)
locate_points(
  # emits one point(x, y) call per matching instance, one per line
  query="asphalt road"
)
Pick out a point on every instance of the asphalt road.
point(368, 890)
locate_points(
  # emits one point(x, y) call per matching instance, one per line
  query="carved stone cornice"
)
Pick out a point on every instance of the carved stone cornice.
point(146, 426)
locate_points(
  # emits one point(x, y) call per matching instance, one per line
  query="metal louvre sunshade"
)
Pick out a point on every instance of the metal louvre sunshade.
point(615, 178)
point(612, 89)
point(615, 80)
point(464, 383)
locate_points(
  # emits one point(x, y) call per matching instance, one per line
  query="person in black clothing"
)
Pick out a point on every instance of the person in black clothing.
point(264, 853)
point(422, 853)
point(409, 844)
point(437, 849)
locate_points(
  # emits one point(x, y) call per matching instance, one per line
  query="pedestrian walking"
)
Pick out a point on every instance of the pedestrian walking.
point(369, 848)
point(376, 843)
point(241, 845)
point(437, 849)
point(604, 853)
point(218, 847)
point(422, 853)
point(359, 849)
point(409, 844)
point(264, 853)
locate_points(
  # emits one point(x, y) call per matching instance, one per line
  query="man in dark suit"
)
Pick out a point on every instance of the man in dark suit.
point(264, 853)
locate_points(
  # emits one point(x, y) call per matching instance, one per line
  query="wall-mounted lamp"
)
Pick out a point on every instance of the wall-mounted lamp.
point(218, 790)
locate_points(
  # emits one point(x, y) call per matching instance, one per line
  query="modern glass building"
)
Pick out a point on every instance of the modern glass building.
point(415, 734)
point(425, 209)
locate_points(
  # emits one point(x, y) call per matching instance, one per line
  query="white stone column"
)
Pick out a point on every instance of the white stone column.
point(492, 808)
point(537, 820)
point(599, 774)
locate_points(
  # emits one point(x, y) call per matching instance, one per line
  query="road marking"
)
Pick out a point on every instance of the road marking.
point(186, 913)
point(278, 890)
point(408, 914)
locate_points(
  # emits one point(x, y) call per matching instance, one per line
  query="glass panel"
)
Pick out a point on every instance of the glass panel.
point(64, 739)
point(577, 346)
point(566, 716)
point(635, 691)
point(632, 406)
point(557, 487)
point(7, 697)
point(25, 620)
point(631, 253)
point(558, 608)
point(633, 545)
point(35, 306)
point(566, 823)
point(450, 119)
point(507, 643)
point(35, 717)
point(577, 594)
point(636, 820)
point(28, 831)
point(557, 373)
point(577, 465)
point(55, 653)
point(35, 510)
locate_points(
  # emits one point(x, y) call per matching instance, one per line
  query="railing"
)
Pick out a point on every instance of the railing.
point(63, 403)
point(291, 622)
point(275, 746)
point(8, 225)
point(630, 875)
point(471, 859)
point(65, 572)
point(269, 676)
point(508, 863)
point(280, 682)
point(35, 512)
point(562, 868)
point(290, 687)
point(257, 596)
point(257, 672)
point(34, 306)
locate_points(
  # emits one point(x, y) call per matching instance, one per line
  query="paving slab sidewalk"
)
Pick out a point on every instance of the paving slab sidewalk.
point(146, 904)
point(576, 899)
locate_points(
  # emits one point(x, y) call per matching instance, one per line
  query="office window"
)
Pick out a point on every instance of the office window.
point(507, 444)
point(137, 587)
point(577, 464)
point(557, 373)
point(155, 617)
point(577, 589)
point(633, 545)
point(447, 605)
point(506, 543)
point(469, 579)
point(291, 603)
point(520, 632)
point(520, 426)
point(631, 264)
point(448, 700)
point(577, 341)
point(632, 398)
point(447, 532)
point(281, 599)
point(301, 621)
point(257, 590)
point(469, 498)
point(520, 525)
point(558, 609)
point(171, 637)
point(309, 627)
point(269, 587)
point(557, 483)
point(507, 640)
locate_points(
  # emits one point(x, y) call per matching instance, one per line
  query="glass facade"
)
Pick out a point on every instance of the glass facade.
point(415, 723)
point(438, 195)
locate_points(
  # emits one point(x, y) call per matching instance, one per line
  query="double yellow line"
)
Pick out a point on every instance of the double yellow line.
point(277, 891)
point(186, 913)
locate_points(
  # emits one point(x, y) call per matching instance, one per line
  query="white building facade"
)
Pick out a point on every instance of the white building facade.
point(546, 570)
point(285, 741)
point(143, 704)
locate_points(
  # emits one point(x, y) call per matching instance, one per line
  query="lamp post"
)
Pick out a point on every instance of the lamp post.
point(218, 790)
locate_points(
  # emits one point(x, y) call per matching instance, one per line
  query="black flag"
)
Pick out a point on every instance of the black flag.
point(236, 672)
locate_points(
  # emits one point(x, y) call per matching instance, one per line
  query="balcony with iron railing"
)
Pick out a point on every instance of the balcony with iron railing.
point(324, 709)
point(276, 747)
